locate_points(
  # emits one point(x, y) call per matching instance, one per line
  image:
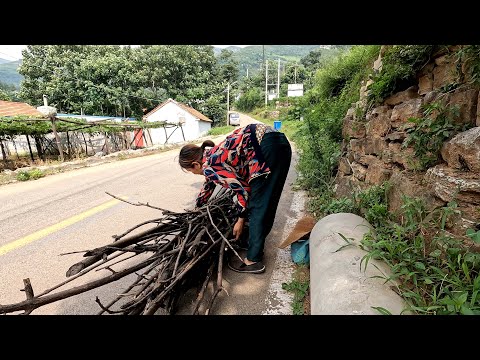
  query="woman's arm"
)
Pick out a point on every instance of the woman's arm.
point(205, 193)
point(228, 179)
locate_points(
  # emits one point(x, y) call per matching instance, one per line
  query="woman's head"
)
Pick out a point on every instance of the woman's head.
point(191, 156)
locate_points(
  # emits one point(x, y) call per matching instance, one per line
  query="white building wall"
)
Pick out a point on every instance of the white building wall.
point(95, 143)
point(295, 90)
point(172, 113)
point(204, 127)
point(21, 144)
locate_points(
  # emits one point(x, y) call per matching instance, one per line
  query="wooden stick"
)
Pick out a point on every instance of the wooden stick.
point(138, 203)
point(156, 304)
point(201, 294)
point(37, 302)
point(219, 278)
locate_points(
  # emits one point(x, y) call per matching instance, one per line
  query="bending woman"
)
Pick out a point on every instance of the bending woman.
point(253, 161)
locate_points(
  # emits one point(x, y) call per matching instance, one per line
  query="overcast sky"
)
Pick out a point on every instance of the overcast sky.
point(11, 52)
point(14, 52)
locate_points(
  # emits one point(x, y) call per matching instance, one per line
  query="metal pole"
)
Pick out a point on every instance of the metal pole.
point(263, 48)
point(228, 99)
point(266, 82)
point(278, 80)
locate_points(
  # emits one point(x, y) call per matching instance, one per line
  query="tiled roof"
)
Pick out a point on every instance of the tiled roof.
point(13, 108)
point(191, 110)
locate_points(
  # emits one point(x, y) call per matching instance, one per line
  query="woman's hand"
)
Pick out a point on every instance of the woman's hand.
point(238, 228)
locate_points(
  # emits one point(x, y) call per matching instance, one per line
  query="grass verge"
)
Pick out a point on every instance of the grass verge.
point(300, 287)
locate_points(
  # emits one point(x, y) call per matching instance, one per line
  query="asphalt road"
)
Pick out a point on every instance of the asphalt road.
point(68, 212)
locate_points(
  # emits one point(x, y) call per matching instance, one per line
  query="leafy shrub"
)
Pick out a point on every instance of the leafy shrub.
point(400, 64)
point(23, 176)
point(343, 70)
point(295, 110)
point(32, 174)
point(36, 174)
point(469, 57)
point(320, 135)
point(434, 272)
point(250, 100)
point(431, 131)
point(341, 205)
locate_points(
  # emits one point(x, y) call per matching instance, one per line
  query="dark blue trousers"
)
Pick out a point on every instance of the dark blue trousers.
point(266, 192)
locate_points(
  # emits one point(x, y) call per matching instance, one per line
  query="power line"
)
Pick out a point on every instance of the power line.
point(9, 56)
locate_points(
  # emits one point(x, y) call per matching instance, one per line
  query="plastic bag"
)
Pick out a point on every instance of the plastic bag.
point(300, 251)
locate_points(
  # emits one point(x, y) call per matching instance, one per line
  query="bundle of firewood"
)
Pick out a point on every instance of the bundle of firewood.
point(177, 252)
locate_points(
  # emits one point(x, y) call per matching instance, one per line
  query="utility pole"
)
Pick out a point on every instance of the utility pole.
point(266, 74)
point(228, 99)
point(278, 80)
point(266, 83)
point(263, 48)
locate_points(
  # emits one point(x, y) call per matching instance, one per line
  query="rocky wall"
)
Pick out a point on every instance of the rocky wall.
point(373, 151)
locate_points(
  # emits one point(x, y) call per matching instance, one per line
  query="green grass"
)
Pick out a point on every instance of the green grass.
point(32, 174)
point(300, 287)
point(437, 274)
point(220, 130)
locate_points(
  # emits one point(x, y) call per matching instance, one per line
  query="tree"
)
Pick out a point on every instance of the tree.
point(228, 66)
point(311, 61)
point(121, 81)
point(4, 95)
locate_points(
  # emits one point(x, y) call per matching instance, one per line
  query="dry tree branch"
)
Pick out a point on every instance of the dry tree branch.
point(139, 203)
point(179, 242)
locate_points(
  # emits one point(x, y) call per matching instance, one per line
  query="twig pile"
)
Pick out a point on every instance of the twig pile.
point(177, 244)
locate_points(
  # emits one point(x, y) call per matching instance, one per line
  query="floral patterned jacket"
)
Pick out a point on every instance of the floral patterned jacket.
point(234, 163)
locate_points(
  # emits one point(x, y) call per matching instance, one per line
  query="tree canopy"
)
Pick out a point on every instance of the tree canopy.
point(123, 81)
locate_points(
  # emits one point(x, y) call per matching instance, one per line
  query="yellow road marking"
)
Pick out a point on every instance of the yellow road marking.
point(51, 229)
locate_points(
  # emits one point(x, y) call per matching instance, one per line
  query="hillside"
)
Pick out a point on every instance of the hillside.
point(9, 74)
point(217, 50)
point(251, 57)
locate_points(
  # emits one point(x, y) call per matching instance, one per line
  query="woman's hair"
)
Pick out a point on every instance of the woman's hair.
point(191, 153)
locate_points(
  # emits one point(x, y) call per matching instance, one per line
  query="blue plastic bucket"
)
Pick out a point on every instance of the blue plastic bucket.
point(277, 124)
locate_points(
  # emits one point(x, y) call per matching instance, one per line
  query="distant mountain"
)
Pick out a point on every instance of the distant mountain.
point(9, 74)
point(217, 50)
point(4, 61)
point(251, 57)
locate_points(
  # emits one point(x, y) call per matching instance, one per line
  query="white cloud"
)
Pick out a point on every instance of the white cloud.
point(11, 52)
point(14, 52)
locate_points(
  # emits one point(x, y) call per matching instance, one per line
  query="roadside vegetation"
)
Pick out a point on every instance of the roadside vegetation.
point(220, 130)
point(299, 286)
point(32, 174)
point(435, 272)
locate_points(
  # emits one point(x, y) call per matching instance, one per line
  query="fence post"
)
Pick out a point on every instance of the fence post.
point(57, 139)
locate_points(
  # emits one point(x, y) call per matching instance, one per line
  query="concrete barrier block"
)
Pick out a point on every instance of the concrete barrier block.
point(337, 283)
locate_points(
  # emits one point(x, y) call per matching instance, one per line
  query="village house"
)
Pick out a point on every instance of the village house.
point(15, 108)
point(186, 123)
